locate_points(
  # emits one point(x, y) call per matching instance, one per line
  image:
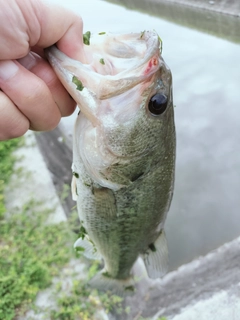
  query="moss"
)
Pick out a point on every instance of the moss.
point(130, 288)
point(152, 247)
point(75, 174)
point(86, 38)
point(102, 61)
point(83, 302)
point(78, 83)
point(142, 34)
point(161, 318)
point(7, 160)
point(82, 232)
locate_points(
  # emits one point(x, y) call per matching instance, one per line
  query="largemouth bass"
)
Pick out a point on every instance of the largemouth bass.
point(123, 152)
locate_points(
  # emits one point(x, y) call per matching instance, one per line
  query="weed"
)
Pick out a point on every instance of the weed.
point(31, 253)
point(7, 160)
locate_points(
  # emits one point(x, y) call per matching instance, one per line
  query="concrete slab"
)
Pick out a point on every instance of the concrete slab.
point(201, 280)
point(224, 305)
point(57, 153)
point(35, 181)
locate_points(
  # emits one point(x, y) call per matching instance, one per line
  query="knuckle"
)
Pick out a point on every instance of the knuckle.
point(51, 80)
point(23, 50)
point(18, 130)
point(69, 108)
point(13, 123)
point(15, 130)
point(31, 94)
point(53, 122)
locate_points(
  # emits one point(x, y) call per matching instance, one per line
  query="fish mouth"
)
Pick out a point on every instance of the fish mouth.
point(111, 65)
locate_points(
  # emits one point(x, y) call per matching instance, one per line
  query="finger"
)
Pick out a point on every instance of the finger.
point(12, 122)
point(66, 30)
point(35, 23)
point(30, 94)
point(43, 70)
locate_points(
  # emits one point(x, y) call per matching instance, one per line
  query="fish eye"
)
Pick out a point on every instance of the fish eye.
point(158, 104)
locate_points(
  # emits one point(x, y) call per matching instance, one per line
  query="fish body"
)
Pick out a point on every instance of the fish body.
point(123, 152)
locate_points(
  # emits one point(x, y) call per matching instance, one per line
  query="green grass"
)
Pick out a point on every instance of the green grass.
point(162, 318)
point(83, 302)
point(31, 253)
point(7, 160)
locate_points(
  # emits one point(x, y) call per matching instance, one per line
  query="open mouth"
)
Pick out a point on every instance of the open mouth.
point(109, 54)
point(112, 65)
point(112, 57)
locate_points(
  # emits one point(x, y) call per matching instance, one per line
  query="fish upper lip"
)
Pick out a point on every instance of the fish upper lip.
point(99, 86)
point(97, 82)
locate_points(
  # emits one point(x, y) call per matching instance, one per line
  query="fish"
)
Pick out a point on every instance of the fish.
point(124, 149)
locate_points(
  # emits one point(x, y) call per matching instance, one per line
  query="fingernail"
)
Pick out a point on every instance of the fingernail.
point(28, 61)
point(8, 69)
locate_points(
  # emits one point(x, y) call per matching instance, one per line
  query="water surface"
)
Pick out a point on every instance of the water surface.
point(206, 85)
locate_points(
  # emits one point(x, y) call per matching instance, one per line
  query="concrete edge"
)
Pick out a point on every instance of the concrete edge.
point(196, 281)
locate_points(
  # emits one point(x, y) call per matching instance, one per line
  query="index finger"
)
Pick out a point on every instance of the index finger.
point(61, 26)
point(26, 24)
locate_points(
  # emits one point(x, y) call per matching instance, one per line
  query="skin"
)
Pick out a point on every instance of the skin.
point(31, 96)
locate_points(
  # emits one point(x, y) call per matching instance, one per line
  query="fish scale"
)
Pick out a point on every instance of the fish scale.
point(123, 153)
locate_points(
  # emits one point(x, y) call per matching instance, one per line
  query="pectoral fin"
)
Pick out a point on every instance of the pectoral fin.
point(87, 248)
point(156, 257)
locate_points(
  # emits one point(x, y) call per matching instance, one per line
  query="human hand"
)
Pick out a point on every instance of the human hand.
point(31, 96)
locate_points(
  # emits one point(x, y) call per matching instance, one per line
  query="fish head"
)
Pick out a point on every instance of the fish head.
point(124, 91)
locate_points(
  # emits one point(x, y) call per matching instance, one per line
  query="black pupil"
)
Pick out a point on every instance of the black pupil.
point(158, 104)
